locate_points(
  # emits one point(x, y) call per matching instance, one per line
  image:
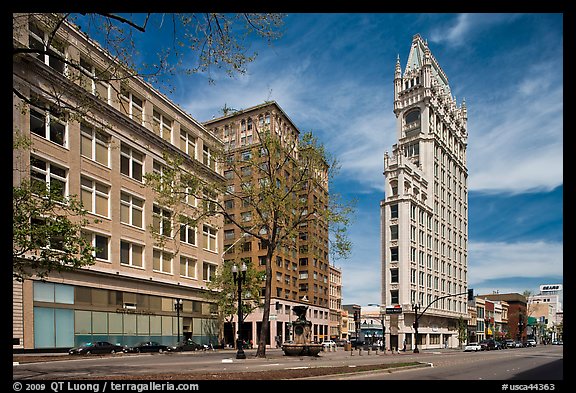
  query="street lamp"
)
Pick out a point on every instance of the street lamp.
point(239, 280)
point(416, 307)
point(178, 307)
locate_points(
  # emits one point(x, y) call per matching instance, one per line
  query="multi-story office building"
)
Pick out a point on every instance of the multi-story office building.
point(300, 273)
point(424, 216)
point(100, 150)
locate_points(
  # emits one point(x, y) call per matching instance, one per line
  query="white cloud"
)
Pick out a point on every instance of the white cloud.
point(459, 31)
point(494, 260)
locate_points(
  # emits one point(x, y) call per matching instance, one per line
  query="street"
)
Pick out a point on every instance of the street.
point(539, 363)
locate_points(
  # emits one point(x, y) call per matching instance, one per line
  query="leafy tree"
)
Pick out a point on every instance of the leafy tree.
point(47, 232)
point(279, 204)
point(462, 331)
point(225, 291)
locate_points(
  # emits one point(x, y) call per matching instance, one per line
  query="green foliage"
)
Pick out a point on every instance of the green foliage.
point(284, 188)
point(46, 232)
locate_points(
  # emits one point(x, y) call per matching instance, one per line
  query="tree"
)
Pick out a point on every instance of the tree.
point(225, 294)
point(287, 187)
point(192, 43)
point(47, 232)
point(46, 224)
point(462, 331)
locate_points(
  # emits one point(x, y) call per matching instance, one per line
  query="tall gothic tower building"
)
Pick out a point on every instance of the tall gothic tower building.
point(424, 216)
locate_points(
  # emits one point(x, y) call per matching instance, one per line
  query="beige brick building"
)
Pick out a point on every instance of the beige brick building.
point(123, 129)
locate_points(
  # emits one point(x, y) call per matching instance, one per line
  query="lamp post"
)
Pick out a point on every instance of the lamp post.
point(416, 307)
point(239, 279)
point(178, 307)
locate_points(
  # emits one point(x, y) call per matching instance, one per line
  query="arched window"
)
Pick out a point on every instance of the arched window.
point(412, 116)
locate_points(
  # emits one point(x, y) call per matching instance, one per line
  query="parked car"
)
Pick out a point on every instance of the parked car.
point(518, 344)
point(96, 347)
point(327, 344)
point(510, 343)
point(500, 344)
point(530, 342)
point(147, 346)
point(341, 343)
point(488, 345)
point(187, 345)
point(473, 347)
point(557, 342)
point(358, 343)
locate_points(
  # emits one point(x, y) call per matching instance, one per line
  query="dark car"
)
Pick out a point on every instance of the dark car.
point(358, 343)
point(488, 345)
point(147, 346)
point(187, 345)
point(96, 347)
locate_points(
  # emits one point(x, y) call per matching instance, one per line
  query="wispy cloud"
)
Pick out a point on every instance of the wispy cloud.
point(508, 260)
point(463, 27)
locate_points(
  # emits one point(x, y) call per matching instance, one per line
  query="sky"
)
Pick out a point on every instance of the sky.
point(332, 73)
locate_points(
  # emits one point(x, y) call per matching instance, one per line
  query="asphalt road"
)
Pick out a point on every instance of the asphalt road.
point(445, 364)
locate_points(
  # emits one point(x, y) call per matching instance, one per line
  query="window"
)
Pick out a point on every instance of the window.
point(131, 105)
point(229, 234)
point(95, 196)
point(393, 253)
point(208, 271)
point(394, 232)
point(44, 174)
point(188, 143)
point(207, 158)
point(94, 144)
point(38, 238)
point(131, 162)
point(246, 216)
point(394, 275)
point(162, 261)
point(229, 204)
point(53, 56)
point(162, 126)
point(162, 221)
point(48, 121)
point(209, 237)
point(394, 211)
point(246, 155)
point(187, 233)
point(188, 267)
point(229, 175)
point(94, 81)
point(131, 210)
point(131, 254)
point(412, 116)
point(101, 243)
point(246, 171)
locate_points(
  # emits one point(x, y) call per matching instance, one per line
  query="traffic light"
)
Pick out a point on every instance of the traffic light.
point(355, 316)
point(470, 294)
point(278, 306)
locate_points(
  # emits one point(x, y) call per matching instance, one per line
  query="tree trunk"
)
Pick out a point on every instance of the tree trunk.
point(261, 352)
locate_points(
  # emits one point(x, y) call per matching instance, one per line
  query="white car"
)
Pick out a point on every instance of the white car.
point(328, 344)
point(473, 347)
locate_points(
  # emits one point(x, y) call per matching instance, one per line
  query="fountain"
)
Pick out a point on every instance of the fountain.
point(301, 328)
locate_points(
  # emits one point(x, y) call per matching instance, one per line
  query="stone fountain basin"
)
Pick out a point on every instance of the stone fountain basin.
point(301, 349)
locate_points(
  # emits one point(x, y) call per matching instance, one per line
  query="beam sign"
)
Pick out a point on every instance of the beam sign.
point(396, 309)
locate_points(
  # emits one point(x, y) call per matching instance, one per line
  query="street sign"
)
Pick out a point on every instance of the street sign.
point(395, 309)
point(272, 317)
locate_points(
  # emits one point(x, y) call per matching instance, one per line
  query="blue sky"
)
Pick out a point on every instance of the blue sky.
point(333, 75)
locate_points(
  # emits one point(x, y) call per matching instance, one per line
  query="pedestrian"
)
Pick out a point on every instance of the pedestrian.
point(404, 346)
